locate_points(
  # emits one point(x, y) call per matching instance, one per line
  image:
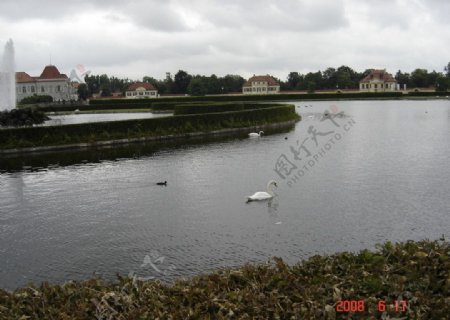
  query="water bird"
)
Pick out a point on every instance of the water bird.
point(262, 195)
point(285, 138)
point(254, 134)
point(162, 183)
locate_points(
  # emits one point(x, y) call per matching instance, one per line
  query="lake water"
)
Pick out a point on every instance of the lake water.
point(100, 117)
point(379, 171)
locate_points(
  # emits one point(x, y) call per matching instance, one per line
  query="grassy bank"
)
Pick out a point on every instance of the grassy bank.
point(138, 128)
point(416, 274)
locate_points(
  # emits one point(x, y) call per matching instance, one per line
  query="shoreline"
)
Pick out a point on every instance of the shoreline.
point(400, 280)
point(221, 132)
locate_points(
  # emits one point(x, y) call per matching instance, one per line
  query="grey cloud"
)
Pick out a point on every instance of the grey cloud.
point(267, 16)
point(154, 15)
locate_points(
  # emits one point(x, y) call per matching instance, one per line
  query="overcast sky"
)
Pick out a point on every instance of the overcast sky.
point(134, 38)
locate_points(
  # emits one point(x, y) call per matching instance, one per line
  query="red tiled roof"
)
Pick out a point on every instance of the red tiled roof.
point(145, 85)
point(380, 75)
point(23, 77)
point(51, 72)
point(270, 80)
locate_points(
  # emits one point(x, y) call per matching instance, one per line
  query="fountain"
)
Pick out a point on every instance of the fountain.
point(7, 78)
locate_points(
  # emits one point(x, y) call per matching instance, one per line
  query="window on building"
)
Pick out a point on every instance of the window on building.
point(32, 89)
point(24, 89)
point(58, 88)
point(375, 86)
point(42, 89)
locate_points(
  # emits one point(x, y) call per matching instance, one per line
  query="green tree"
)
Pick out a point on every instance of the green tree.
point(181, 81)
point(197, 87)
point(442, 83)
point(82, 91)
point(419, 78)
point(447, 70)
point(311, 86)
point(293, 80)
point(403, 78)
point(329, 78)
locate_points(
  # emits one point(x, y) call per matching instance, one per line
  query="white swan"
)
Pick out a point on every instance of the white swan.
point(254, 134)
point(261, 195)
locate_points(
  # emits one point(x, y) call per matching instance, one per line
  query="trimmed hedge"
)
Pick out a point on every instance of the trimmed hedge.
point(91, 132)
point(36, 99)
point(267, 97)
point(213, 107)
point(428, 93)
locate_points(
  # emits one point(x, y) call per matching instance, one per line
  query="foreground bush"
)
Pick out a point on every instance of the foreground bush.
point(22, 117)
point(415, 272)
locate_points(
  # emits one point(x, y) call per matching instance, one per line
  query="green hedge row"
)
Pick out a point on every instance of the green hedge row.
point(212, 107)
point(267, 97)
point(91, 132)
point(428, 93)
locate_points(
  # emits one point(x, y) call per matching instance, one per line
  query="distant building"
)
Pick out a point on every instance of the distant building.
point(378, 81)
point(51, 82)
point(261, 85)
point(141, 90)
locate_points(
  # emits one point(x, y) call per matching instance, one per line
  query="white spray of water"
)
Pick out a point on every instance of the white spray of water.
point(7, 78)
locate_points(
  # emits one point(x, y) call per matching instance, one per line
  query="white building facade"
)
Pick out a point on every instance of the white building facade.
point(378, 81)
point(51, 82)
point(141, 90)
point(261, 85)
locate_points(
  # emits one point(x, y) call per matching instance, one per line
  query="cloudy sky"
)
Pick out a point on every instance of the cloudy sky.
point(133, 38)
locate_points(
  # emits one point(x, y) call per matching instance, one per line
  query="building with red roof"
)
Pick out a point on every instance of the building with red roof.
point(261, 85)
point(141, 90)
point(378, 81)
point(51, 82)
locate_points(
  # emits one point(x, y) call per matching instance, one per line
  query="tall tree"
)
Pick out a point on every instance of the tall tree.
point(447, 70)
point(293, 80)
point(197, 87)
point(181, 81)
point(419, 78)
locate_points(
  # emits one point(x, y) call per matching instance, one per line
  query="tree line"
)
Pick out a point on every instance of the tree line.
point(182, 82)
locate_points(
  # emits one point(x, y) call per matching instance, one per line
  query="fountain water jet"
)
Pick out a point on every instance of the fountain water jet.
point(7, 78)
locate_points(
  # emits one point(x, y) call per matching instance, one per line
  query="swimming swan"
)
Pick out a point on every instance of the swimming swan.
point(254, 134)
point(261, 195)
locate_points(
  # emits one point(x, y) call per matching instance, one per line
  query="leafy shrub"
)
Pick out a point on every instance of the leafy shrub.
point(22, 117)
point(36, 99)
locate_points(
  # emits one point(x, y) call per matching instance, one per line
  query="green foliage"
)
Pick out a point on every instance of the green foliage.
point(197, 87)
point(442, 83)
point(22, 117)
point(181, 81)
point(416, 272)
point(210, 107)
point(34, 99)
point(266, 97)
point(82, 91)
point(427, 93)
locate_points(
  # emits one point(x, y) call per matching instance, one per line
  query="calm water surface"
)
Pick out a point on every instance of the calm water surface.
point(72, 215)
point(99, 117)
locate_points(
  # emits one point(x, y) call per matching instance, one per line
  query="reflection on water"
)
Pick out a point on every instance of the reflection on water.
point(56, 120)
point(68, 215)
